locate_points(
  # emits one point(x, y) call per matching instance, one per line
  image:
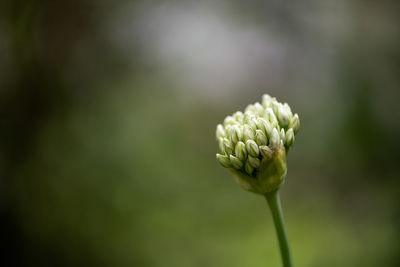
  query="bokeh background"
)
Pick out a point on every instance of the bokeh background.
point(107, 136)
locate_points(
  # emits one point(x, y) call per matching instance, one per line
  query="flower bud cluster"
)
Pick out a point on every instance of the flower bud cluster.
point(246, 138)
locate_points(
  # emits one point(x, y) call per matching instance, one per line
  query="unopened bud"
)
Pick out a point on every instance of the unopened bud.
point(289, 137)
point(236, 162)
point(248, 168)
point(236, 134)
point(295, 123)
point(228, 146)
point(254, 162)
point(240, 150)
point(283, 115)
point(266, 126)
point(252, 148)
point(220, 131)
point(248, 133)
point(224, 160)
point(221, 145)
point(282, 134)
point(265, 151)
point(261, 139)
point(238, 116)
point(274, 139)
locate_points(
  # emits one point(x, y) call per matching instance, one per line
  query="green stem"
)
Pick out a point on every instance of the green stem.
point(277, 214)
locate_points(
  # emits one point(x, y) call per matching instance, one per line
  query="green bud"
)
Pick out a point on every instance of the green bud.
point(270, 115)
point(282, 134)
point(253, 123)
point(254, 162)
point(228, 146)
point(259, 108)
point(295, 123)
point(236, 134)
point(261, 139)
point(224, 161)
point(289, 137)
point(248, 168)
point(288, 109)
point(248, 133)
point(266, 100)
point(265, 151)
point(220, 131)
point(252, 148)
point(236, 162)
point(274, 140)
point(240, 151)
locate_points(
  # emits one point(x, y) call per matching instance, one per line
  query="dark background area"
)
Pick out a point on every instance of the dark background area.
point(107, 134)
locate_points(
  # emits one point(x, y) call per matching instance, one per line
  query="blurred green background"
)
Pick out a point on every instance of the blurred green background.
point(108, 115)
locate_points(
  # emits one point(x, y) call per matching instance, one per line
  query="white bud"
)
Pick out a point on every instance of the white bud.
point(274, 140)
point(221, 145)
point(283, 115)
point(229, 120)
point(248, 133)
point(236, 134)
point(295, 123)
point(288, 109)
point(270, 115)
point(252, 148)
point(228, 146)
point(265, 151)
point(266, 126)
point(282, 134)
point(266, 100)
point(248, 168)
point(240, 151)
point(261, 139)
point(224, 161)
point(220, 131)
point(259, 108)
point(289, 137)
point(254, 162)
point(238, 116)
point(236, 162)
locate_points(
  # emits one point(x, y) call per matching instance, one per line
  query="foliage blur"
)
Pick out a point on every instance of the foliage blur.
point(108, 115)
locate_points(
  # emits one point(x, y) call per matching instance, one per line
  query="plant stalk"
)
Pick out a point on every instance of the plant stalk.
point(277, 215)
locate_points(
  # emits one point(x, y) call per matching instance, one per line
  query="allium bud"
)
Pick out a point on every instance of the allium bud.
point(236, 134)
point(253, 144)
point(282, 134)
point(254, 162)
point(237, 163)
point(220, 131)
point(228, 146)
point(295, 123)
point(248, 168)
point(274, 140)
point(252, 148)
point(229, 120)
point(265, 151)
point(240, 151)
point(261, 139)
point(221, 145)
point(283, 116)
point(248, 133)
point(289, 137)
point(224, 161)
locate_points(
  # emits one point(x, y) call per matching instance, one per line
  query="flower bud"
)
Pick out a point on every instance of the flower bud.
point(220, 131)
point(295, 123)
point(288, 109)
point(289, 137)
point(224, 161)
point(252, 148)
point(236, 134)
point(282, 134)
point(271, 116)
point(240, 151)
point(259, 108)
point(261, 139)
point(266, 100)
point(253, 123)
point(228, 146)
point(283, 115)
point(229, 120)
point(238, 116)
point(254, 162)
point(248, 168)
point(221, 145)
point(236, 163)
point(248, 133)
point(265, 151)
point(274, 140)
point(266, 126)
